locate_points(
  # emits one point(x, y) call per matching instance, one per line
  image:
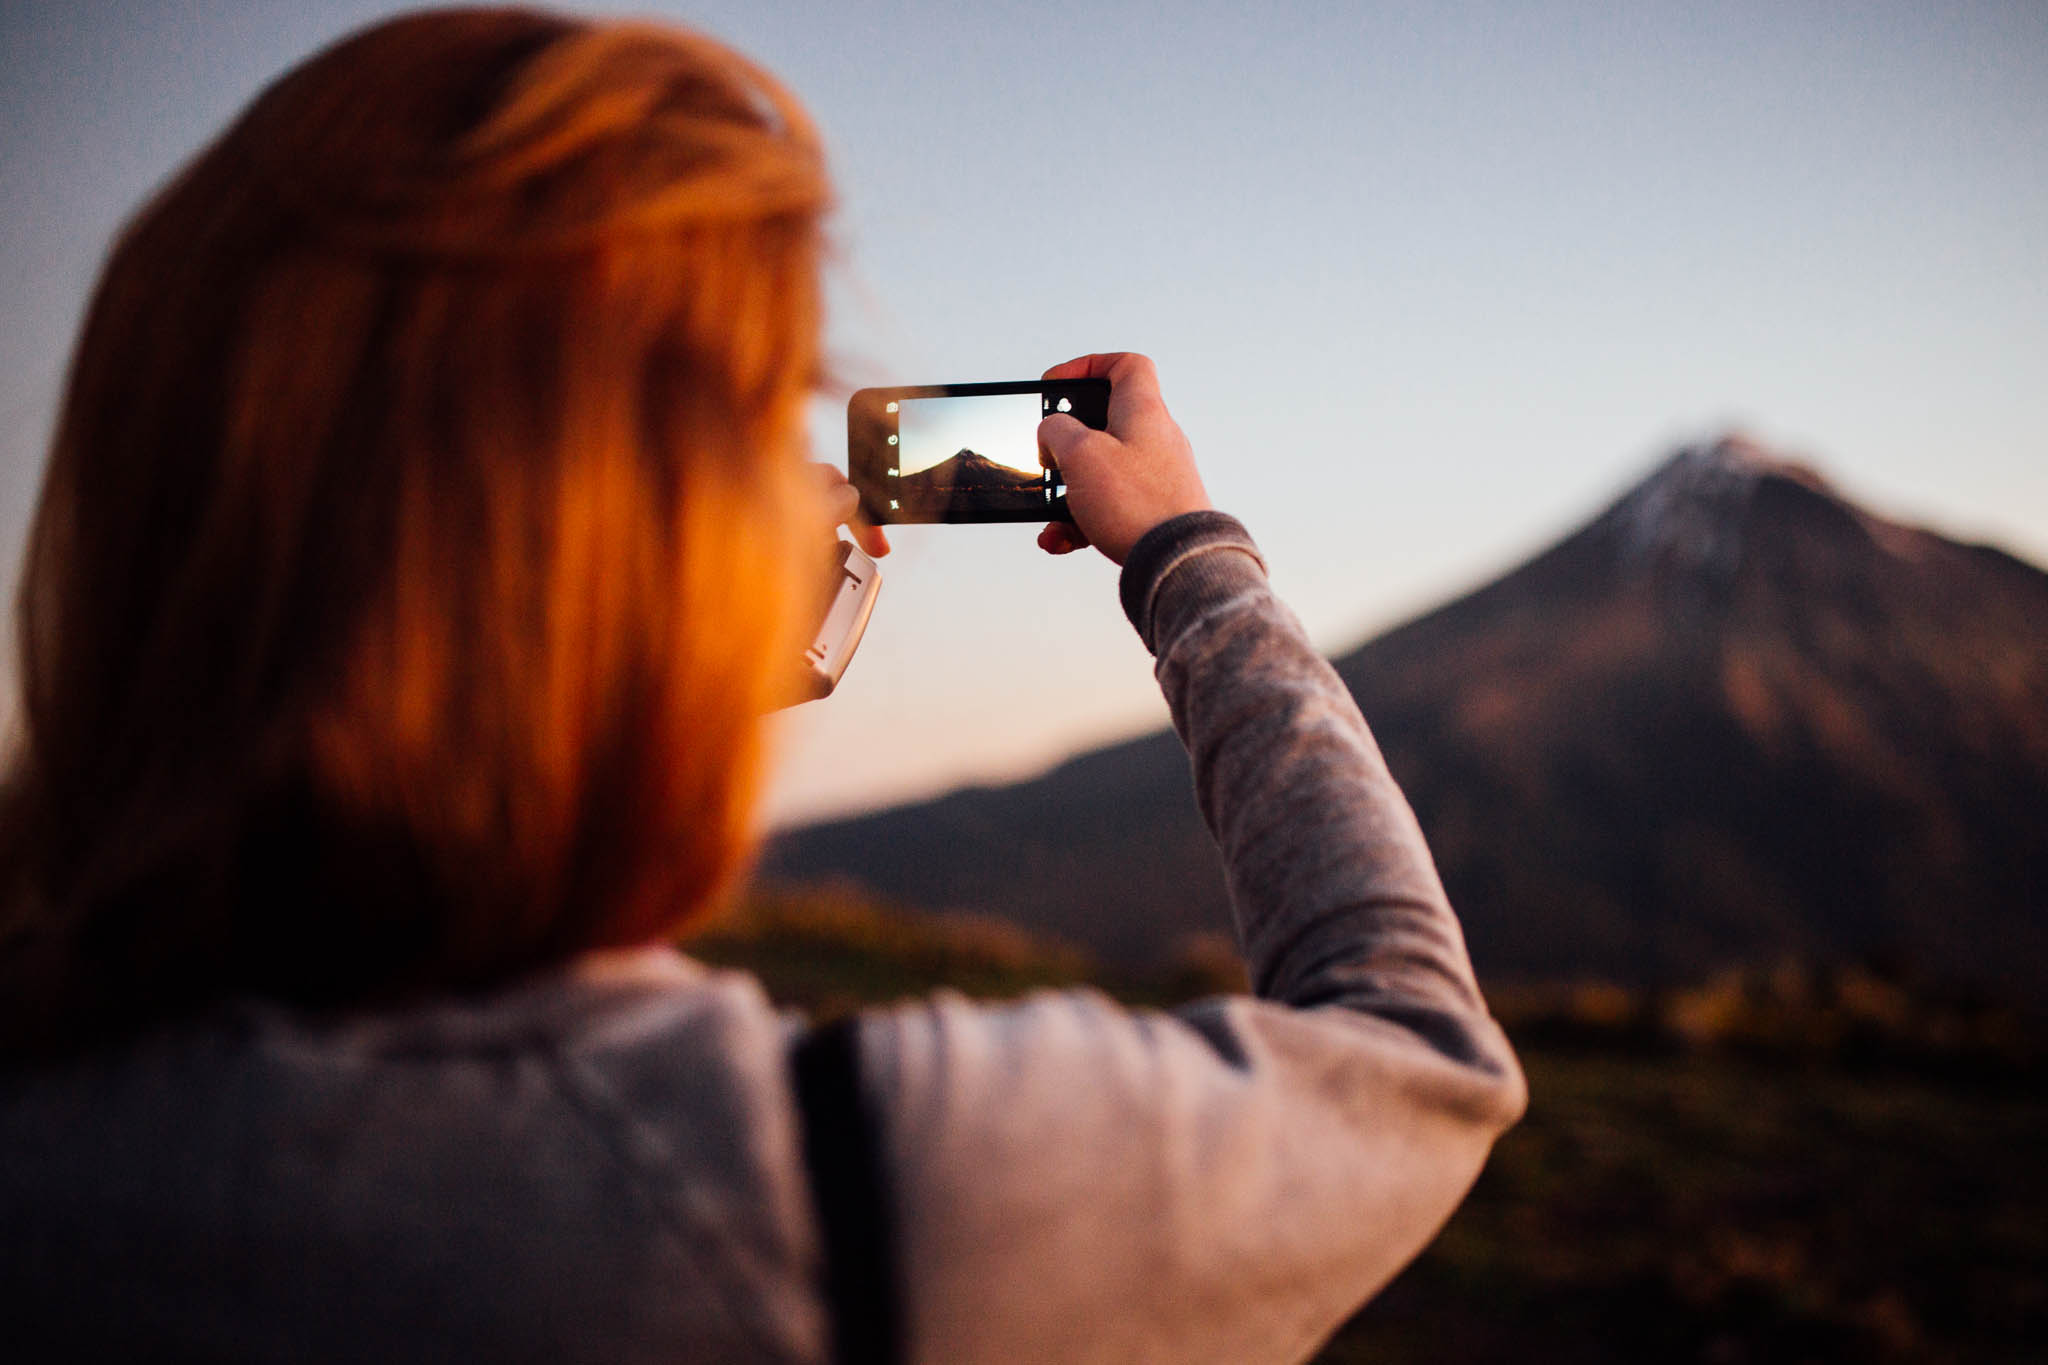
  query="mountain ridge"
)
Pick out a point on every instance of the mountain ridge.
point(1732, 716)
point(972, 469)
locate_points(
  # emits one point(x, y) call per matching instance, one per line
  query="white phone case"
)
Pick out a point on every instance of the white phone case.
point(853, 601)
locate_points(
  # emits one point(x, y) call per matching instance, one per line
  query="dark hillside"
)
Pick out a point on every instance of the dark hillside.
point(1734, 718)
point(1731, 719)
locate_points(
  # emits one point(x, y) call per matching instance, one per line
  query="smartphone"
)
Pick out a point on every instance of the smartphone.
point(963, 452)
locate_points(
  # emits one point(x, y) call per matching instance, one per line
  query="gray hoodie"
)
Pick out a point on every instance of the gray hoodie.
point(611, 1162)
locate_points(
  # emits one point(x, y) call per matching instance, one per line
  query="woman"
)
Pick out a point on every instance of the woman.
point(426, 535)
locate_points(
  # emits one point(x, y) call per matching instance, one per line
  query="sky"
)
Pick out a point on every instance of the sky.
point(1427, 283)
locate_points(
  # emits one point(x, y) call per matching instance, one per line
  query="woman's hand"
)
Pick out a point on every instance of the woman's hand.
point(1125, 480)
point(843, 501)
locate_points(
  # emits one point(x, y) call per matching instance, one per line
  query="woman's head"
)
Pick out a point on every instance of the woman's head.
point(418, 550)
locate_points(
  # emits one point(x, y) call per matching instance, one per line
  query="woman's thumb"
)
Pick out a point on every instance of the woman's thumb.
point(1057, 435)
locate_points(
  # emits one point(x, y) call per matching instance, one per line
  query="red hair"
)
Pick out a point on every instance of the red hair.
point(415, 559)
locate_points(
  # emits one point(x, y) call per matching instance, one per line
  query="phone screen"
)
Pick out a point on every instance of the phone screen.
point(985, 445)
point(963, 452)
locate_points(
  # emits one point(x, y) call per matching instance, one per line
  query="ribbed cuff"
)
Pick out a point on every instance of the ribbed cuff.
point(1201, 552)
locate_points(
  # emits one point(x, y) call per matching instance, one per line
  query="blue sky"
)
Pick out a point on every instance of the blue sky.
point(1427, 283)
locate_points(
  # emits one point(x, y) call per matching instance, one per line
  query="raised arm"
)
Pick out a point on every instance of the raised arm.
point(1073, 1181)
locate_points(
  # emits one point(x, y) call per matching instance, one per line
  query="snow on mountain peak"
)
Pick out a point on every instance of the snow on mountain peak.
point(1691, 516)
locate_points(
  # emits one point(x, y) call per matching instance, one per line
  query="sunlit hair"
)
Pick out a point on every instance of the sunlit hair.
point(418, 551)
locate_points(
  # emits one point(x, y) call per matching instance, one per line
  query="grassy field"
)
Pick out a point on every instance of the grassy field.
point(1775, 1166)
point(1719, 1208)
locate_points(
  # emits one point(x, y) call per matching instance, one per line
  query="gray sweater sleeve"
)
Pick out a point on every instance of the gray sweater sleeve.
point(1074, 1181)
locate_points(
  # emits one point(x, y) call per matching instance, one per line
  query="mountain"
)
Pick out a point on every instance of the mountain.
point(1734, 718)
point(970, 469)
